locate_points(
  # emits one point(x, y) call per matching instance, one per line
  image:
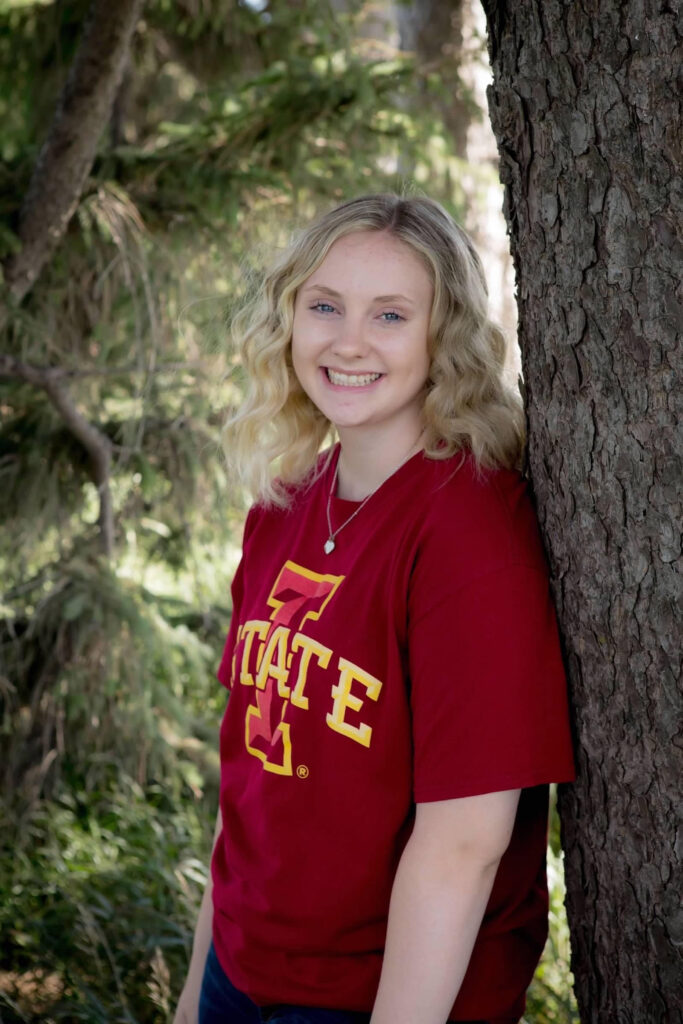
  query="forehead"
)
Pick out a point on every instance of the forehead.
point(373, 263)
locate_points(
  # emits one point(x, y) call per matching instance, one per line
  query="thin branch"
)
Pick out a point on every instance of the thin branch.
point(99, 447)
point(97, 444)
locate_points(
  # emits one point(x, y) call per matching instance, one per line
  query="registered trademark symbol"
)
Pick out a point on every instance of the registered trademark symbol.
point(302, 771)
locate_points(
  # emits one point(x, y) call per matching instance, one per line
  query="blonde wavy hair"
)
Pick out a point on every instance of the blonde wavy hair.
point(273, 440)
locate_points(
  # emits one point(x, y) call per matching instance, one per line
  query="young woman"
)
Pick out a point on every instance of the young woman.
point(397, 700)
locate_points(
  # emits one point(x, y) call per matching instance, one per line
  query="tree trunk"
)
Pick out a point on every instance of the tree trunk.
point(433, 30)
point(586, 111)
point(67, 155)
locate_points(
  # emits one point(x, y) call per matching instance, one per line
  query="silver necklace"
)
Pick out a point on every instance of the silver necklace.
point(330, 544)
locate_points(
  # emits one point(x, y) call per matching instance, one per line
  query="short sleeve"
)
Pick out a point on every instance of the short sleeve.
point(224, 669)
point(487, 686)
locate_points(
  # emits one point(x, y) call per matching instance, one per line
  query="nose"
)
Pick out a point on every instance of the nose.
point(350, 340)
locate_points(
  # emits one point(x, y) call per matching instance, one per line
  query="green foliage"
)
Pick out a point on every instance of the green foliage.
point(99, 665)
point(34, 37)
point(120, 871)
point(233, 123)
point(550, 999)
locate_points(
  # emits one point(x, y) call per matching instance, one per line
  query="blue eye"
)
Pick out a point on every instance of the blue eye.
point(392, 314)
point(322, 307)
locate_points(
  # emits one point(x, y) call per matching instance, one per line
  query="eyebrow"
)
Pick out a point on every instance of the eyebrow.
point(378, 298)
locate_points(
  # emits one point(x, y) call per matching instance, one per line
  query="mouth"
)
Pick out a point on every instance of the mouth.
point(350, 380)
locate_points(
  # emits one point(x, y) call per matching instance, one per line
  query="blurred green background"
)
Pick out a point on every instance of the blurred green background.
point(235, 122)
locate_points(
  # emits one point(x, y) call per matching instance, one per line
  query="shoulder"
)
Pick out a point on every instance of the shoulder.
point(478, 520)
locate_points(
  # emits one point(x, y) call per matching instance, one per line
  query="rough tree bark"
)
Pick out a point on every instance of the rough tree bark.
point(586, 111)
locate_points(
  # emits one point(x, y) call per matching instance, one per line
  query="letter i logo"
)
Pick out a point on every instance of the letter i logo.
point(298, 594)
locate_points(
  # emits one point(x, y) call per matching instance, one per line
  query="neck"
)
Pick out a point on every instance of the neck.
point(366, 461)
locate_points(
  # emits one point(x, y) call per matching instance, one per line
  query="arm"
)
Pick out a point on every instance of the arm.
point(188, 1004)
point(442, 885)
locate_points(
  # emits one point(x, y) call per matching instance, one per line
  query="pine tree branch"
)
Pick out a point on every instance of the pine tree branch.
point(97, 444)
point(99, 447)
point(66, 157)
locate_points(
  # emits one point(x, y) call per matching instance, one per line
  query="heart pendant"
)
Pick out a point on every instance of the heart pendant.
point(329, 546)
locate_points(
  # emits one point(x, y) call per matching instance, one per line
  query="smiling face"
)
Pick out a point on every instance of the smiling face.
point(359, 337)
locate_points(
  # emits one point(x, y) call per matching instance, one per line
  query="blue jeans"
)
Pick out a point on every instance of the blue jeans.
point(221, 1003)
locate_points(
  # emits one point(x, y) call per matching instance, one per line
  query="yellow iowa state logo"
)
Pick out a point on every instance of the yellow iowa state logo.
point(275, 659)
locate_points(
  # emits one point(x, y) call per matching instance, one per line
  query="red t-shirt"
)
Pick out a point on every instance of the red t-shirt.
point(418, 661)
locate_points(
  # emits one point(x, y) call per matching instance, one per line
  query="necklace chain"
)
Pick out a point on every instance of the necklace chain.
point(330, 543)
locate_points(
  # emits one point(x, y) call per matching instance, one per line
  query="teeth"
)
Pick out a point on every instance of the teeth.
point(352, 380)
